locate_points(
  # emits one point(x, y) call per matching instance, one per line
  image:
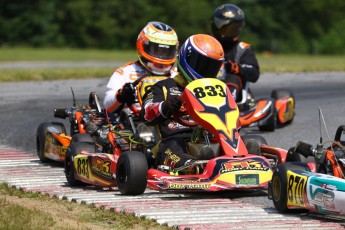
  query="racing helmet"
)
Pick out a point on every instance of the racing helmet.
point(227, 22)
point(201, 56)
point(157, 45)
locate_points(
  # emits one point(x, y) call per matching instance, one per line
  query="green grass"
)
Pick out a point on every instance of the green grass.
point(64, 54)
point(38, 215)
point(268, 63)
point(301, 63)
point(14, 216)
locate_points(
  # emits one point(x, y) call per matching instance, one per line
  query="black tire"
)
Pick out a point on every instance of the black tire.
point(253, 143)
point(82, 138)
point(282, 93)
point(41, 138)
point(293, 156)
point(270, 123)
point(279, 184)
point(72, 151)
point(338, 133)
point(131, 173)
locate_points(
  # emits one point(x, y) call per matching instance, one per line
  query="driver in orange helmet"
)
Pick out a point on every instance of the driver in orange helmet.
point(157, 45)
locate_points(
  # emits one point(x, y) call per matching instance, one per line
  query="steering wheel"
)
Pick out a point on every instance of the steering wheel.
point(183, 118)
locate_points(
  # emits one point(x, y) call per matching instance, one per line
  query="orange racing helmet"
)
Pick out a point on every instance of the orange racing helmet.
point(157, 45)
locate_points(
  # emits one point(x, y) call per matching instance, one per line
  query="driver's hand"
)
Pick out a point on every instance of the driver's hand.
point(126, 94)
point(171, 106)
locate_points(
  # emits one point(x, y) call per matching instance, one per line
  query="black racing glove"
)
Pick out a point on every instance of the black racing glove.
point(171, 106)
point(126, 94)
point(232, 67)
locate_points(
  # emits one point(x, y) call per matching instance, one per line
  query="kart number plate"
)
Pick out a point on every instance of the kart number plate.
point(247, 179)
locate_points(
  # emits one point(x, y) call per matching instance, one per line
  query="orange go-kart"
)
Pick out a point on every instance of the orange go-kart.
point(51, 137)
point(266, 114)
point(129, 161)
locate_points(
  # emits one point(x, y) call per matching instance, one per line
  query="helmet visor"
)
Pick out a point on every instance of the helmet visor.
point(225, 28)
point(160, 51)
point(203, 65)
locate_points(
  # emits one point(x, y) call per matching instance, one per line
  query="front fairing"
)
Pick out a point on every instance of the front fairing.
point(209, 102)
point(316, 192)
point(222, 173)
point(95, 168)
point(252, 116)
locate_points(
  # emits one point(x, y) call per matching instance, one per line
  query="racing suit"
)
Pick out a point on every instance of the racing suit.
point(247, 68)
point(172, 150)
point(125, 74)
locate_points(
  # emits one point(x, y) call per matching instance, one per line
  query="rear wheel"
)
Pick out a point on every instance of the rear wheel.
point(73, 150)
point(41, 137)
point(285, 93)
point(82, 138)
point(279, 184)
point(294, 156)
point(253, 143)
point(131, 173)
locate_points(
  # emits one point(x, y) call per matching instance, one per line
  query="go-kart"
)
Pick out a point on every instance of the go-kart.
point(51, 137)
point(214, 112)
point(239, 163)
point(295, 186)
point(266, 114)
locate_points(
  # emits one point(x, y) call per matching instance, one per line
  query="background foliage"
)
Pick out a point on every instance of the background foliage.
point(277, 26)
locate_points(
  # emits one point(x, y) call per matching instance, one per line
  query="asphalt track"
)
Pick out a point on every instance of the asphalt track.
point(23, 106)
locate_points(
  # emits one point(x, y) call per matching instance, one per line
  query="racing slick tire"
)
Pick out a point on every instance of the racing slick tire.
point(279, 184)
point(41, 138)
point(293, 156)
point(82, 138)
point(282, 93)
point(72, 150)
point(253, 143)
point(270, 122)
point(131, 173)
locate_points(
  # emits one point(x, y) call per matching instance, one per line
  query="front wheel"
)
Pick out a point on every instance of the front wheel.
point(280, 181)
point(270, 122)
point(41, 138)
point(131, 173)
point(288, 115)
point(73, 150)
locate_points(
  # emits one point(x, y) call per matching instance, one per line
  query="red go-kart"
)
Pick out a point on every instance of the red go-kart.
point(127, 158)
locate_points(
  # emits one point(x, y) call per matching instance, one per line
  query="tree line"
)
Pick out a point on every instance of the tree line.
point(277, 26)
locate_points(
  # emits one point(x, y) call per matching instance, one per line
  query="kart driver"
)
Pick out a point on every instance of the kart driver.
point(241, 65)
point(157, 45)
point(201, 56)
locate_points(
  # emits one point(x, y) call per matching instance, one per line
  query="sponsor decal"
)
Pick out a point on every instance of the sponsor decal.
point(101, 167)
point(242, 165)
point(186, 186)
point(247, 179)
point(322, 198)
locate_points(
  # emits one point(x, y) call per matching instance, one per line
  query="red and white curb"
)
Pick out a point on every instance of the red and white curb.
point(183, 211)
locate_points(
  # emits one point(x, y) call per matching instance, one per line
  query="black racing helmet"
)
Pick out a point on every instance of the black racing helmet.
point(227, 22)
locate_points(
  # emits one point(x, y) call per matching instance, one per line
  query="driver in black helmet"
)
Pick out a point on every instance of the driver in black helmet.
point(241, 65)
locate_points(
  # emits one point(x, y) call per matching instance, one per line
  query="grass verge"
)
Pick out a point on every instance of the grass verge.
point(20, 210)
point(268, 63)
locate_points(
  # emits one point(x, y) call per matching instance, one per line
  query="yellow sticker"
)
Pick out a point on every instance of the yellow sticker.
point(296, 185)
